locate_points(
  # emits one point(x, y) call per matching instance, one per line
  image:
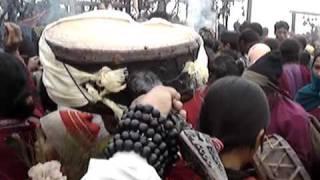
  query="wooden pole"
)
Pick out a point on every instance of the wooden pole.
point(293, 24)
point(249, 10)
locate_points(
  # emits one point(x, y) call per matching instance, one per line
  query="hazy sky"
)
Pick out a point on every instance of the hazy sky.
point(267, 12)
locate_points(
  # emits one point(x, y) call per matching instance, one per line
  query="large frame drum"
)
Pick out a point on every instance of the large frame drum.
point(108, 38)
point(278, 161)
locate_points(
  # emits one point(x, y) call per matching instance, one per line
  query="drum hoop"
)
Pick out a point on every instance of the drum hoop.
point(291, 154)
point(83, 56)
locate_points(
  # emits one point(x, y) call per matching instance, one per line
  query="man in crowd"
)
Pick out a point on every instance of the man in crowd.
point(281, 30)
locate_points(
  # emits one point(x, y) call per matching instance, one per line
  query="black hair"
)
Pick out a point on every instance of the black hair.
point(223, 65)
point(209, 39)
point(235, 110)
point(302, 40)
point(304, 58)
point(265, 31)
point(29, 45)
point(140, 82)
point(315, 58)
point(231, 38)
point(210, 53)
point(274, 44)
point(244, 26)
point(13, 91)
point(247, 39)
point(290, 49)
point(249, 36)
point(230, 52)
point(256, 27)
point(281, 24)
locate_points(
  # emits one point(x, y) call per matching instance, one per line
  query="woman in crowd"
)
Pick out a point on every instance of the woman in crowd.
point(288, 119)
point(294, 75)
point(16, 107)
point(309, 96)
point(12, 43)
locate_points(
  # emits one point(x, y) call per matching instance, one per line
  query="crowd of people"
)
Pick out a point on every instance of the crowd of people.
point(257, 86)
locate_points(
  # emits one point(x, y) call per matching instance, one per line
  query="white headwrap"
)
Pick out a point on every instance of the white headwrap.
point(70, 87)
point(69, 91)
point(257, 51)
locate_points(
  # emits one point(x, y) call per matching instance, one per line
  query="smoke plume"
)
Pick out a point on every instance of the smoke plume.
point(201, 14)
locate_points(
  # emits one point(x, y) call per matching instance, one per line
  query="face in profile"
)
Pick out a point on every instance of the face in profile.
point(282, 34)
point(316, 67)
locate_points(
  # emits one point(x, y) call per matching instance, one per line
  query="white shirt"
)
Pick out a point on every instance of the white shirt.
point(122, 166)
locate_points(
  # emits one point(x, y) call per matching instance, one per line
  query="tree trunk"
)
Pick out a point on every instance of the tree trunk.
point(162, 6)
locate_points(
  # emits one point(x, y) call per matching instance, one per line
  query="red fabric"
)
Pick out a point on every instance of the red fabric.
point(182, 172)
point(291, 121)
point(251, 178)
point(80, 126)
point(293, 78)
point(193, 107)
point(31, 87)
point(316, 113)
point(11, 165)
point(38, 110)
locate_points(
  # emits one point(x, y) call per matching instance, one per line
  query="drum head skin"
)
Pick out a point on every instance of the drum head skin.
point(108, 37)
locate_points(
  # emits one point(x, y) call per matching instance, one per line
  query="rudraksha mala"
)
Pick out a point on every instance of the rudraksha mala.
point(142, 129)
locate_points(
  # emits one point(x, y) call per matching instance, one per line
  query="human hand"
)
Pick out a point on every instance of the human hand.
point(165, 99)
point(34, 64)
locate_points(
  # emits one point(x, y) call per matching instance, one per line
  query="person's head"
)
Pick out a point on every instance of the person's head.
point(304, 58)
point(247, 39)
point(257, 51)
point(290, 49)
point(266, 72)
point(15, 100)
point(29, 46)
point(273, 44)
point(316, 72)
point(223, 65)
point(302, 40)
point(236, 26)
point(234, 54)
point(244, 26)
point(316, 45)
point(256, 27)
point(229, 115)
point(209, 39)
point(265, 32)
point(281, 30)
point(316, 66)
point(229, 40)
point(12, 37)
point(141, 82)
